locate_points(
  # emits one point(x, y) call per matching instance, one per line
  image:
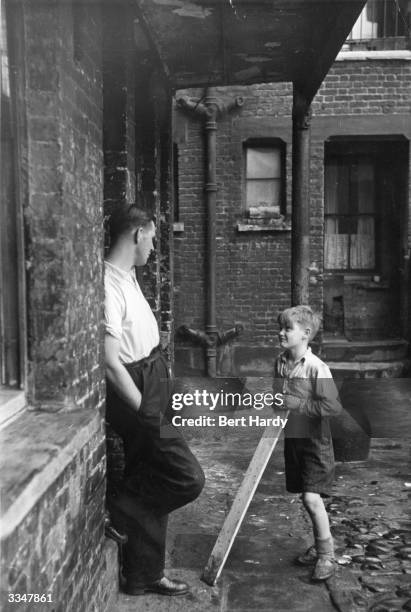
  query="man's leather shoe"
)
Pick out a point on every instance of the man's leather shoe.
point(111, 532)
point(164, 586)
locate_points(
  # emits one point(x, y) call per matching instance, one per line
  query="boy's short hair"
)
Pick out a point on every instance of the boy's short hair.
point(125, 218)
point(304, 316)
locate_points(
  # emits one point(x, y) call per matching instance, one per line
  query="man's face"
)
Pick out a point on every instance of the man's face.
point(144, 243)
point(292, 335)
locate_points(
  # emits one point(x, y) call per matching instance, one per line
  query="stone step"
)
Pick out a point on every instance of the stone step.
point(370, 369)
point(335, 349)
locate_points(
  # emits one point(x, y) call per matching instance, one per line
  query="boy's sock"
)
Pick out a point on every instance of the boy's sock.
point(325, 547)
point(325, 566)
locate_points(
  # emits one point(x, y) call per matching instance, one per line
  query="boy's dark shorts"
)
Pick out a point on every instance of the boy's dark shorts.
point(309, 465)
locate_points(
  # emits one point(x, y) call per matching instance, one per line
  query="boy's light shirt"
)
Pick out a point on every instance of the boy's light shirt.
point(310, 380)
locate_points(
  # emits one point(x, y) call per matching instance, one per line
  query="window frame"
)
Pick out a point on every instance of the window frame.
point(13, 398)
point(265, 143)
point(350, 157)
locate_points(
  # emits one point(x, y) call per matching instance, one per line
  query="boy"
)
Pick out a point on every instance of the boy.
point(311, 397)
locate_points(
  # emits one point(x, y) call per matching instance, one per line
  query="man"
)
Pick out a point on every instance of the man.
point(161, 474)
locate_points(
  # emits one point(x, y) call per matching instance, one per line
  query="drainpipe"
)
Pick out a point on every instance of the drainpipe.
point(211, 200)
point(300, 236)
point(211, 107)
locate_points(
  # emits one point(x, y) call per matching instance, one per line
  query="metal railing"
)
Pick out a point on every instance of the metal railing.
point(382, 24)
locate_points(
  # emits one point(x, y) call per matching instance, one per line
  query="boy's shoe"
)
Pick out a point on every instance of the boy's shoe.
point(309, 557)
point(324, 568)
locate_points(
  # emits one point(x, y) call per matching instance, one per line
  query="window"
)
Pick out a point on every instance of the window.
point(382, 24)
point(264, 178)
point(9, 352)
point(12, 321)
point(350, 212)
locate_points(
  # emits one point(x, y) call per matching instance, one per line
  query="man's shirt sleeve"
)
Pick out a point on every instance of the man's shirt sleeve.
point(113, 310)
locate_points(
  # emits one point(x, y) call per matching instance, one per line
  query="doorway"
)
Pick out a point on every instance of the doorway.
point(364, 211)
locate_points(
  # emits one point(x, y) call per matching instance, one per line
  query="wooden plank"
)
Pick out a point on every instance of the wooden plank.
point(241, 502)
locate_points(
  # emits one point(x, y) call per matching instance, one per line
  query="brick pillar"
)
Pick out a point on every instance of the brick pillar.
point(165, 231)
point(119, 111)
point(63, 213)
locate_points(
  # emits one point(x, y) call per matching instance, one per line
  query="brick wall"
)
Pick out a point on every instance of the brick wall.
point(253, 275)
point(58, 490)
point(365, 88)
point(253, 269)
point(64, 207)
point(119, 112)
point(59, 547)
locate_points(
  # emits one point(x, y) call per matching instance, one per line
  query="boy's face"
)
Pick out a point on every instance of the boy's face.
point(293, 335)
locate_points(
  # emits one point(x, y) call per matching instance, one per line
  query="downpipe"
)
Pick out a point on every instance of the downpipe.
point(211, 108)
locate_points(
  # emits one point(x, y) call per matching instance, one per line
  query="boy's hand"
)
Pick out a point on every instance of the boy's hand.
point(291, 402)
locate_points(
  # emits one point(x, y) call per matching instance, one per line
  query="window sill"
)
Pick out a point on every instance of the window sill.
point(36, 448)
point(373, 55)
point(366, 283)
point(266, 225)
point(178, 228)
point(12, 402)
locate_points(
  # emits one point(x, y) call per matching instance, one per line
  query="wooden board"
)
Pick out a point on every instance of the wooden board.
point(240, 504)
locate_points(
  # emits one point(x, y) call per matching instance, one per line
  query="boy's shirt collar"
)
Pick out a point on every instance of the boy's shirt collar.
point(284, 356)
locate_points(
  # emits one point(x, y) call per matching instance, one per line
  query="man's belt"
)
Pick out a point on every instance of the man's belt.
point(155, 354)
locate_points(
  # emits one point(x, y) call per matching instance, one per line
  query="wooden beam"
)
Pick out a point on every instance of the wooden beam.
point(241, 502)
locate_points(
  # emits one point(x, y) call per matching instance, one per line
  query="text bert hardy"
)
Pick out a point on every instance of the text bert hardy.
point(208, 400)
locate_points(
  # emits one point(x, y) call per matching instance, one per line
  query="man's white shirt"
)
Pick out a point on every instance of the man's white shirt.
point(128, 316)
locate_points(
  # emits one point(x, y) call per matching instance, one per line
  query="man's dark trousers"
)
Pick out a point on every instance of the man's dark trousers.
point(161, 473)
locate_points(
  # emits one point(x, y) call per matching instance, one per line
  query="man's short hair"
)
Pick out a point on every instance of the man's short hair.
point(303, 315)
point(126, 218)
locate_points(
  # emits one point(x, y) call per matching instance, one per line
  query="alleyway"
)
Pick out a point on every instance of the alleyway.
point(370, 521)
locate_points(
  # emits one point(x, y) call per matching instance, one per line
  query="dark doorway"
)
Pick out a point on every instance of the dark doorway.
point(364, 209)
